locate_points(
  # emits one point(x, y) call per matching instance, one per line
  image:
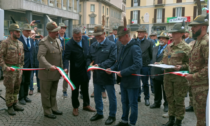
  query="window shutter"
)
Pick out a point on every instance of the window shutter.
point(183, 11)
point(131, 17)
point(174, 12)
point(139, 17)
point(131, 3)
point(194, 12)
point(155, 15)
point(163, 15)
point(139, 2)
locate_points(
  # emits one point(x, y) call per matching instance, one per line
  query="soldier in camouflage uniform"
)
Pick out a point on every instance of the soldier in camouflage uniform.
point(190, 107)
point(198, 67)
point(12, 54)
point(176, 87)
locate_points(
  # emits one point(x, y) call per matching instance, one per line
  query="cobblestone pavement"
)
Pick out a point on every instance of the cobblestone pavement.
point(33, 113)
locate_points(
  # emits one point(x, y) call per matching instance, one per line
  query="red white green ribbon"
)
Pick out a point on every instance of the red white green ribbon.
point(179, 73)
point(60, 70)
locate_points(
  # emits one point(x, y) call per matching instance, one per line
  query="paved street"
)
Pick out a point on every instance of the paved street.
point(33, 113)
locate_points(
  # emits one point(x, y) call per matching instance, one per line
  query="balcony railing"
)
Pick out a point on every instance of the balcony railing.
point(159, 3)
point(69, 5)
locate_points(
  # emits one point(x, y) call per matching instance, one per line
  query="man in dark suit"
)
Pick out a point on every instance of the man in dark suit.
point(158, 80)
point(103, 54)
point(76, 52)
point(62, 37)
point(129, 62)
point(28, 63)
point(146, 48)
point(187, 39)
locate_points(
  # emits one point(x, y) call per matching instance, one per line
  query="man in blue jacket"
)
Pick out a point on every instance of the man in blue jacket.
point(129, 62)
point(103, 54)
point(28, 63)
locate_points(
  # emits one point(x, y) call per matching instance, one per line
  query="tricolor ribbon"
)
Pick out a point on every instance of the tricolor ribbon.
point(60, 70)
point(179, 73)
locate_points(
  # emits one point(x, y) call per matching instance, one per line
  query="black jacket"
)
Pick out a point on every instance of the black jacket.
point(146, 48)
point(78, 58)
point(105, 56)
point(156, 70)
point(92, 40)
point(131, 63)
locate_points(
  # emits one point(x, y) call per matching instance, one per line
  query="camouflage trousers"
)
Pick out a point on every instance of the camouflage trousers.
point(12, 81)
point(199, 93)
point(191, 98)
point(176, 88)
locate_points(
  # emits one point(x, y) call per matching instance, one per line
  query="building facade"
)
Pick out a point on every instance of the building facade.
point(25, 11)
point(92, 11)
point(158, 15)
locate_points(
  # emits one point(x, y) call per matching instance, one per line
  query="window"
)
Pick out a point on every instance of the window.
point(159, 15)
point(80, 8)
point(107, 11)
point(135, 3)
point(92, 8)
point(92, 20)
point(135, 17)
point(103, 9)
point(178, 12)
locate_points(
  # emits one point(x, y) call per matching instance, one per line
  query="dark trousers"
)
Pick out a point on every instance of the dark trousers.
point(85, 92)
point(24, 87)
point(144, 79)
point(159, 90)
point(32, 80)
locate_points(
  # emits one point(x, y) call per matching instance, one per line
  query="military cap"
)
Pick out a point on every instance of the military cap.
point(14, 27)
point(27, 27)
point(178, 27)
point(187, 31)
point(153, 33)
point(200, 20)
point(163, 35)
point(142, 29)
point(52, 26)
point(98, 30)
point(62, 25)
point(115, 28)
point(121, 31)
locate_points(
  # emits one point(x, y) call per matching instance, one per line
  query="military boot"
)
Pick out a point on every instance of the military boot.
point(178, 123)
point(17, 108)
point(11, 111)
point(170, 122)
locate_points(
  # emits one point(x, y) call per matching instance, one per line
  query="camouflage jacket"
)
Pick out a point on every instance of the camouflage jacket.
point(198, 61)
point(176, 55)
point(11, 53)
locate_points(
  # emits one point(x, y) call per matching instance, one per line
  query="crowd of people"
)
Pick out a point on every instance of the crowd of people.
point(116, 52)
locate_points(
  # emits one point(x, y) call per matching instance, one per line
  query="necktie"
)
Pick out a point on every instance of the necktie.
point(115, 40)
point(159, 51)
point(28, 45)
point(121, 57)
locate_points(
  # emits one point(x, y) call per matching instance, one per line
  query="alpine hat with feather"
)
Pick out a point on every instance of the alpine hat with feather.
point(52, 26)
point(123, 30)
point(14, 26)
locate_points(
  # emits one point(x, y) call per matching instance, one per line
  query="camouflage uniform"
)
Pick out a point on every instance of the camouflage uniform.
point(198, 67)
point(11, 54)
point(191, 44)
point(176, 87)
